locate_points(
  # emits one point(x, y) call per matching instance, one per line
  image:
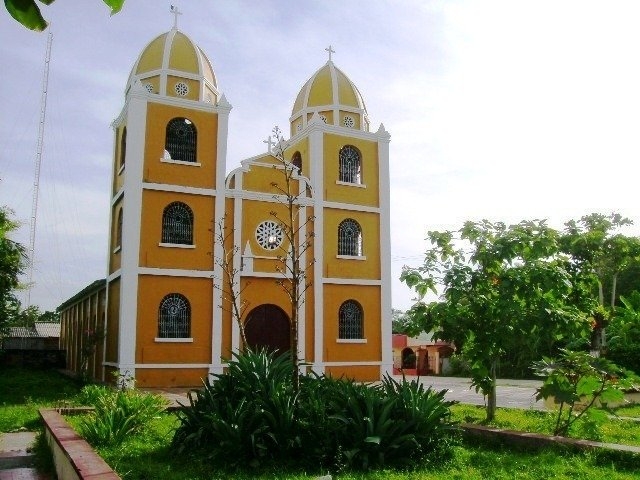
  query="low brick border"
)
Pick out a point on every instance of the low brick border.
point(537, 440)
point(73, 457)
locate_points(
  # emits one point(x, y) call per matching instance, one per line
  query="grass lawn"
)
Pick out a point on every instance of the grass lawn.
point(624, 431)
point(148, 455)
point(24, 391)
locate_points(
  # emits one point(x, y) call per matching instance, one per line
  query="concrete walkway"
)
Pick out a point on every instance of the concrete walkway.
point(510, 393)
point(16, 459)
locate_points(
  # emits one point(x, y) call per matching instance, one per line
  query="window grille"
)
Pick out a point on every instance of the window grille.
point(174, 317)
point(181, 140)
point(350, 320)
point(177, 224)
point(350, 170)
point(349, 238)
point(119, 229)
point(296, 160)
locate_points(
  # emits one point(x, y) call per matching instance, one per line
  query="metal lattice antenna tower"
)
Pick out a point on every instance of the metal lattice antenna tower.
point(36, 176)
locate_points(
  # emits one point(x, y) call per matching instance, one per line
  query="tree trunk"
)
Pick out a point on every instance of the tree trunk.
point(491, 397)
point(600, 293)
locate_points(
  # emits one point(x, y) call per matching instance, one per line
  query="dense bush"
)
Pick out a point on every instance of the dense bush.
point(624, 334)
point(251, 415)
point(117, 414)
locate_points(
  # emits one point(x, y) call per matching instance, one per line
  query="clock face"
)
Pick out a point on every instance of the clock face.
point(269, 235)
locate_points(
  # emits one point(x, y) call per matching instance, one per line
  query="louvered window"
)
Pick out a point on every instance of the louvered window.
point(181, 140)
point(177, 224)
point(350, 321)
point(174, 317)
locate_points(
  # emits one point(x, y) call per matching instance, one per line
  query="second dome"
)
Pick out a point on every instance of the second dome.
point(334, 97)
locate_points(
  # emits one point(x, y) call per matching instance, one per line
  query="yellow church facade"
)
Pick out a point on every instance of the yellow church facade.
point(164, 311)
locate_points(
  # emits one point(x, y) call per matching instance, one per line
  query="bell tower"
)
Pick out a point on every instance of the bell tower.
point(167, 195)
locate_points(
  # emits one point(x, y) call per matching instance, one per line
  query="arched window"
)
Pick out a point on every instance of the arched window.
point(181, 140)
point(350, 320)
point(350, 168)
point(174, 317)
point(177, 224)
point(119, 229)
point(349, 238)
point(297, 161)
point(123, 146)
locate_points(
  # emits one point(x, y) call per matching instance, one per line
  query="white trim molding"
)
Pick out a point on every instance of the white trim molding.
point(176, 245)
point(180, 162)
point(173, 340)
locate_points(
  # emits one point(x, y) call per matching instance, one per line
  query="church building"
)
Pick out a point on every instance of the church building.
point(180, 223)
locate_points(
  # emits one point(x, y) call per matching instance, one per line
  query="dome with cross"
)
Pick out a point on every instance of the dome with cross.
point(331, 95)
point(173, 65)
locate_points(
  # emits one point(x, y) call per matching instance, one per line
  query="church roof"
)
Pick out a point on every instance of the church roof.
point(328, 89)
point(173, 54)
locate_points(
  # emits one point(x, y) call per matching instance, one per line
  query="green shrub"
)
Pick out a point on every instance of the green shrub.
point(624, 334)
point(90, 395)
point(117, 414)
point(576, 381)
point(250, 415)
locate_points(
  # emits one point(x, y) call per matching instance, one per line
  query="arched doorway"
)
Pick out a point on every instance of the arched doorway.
point(408, 358)
point(267, 326)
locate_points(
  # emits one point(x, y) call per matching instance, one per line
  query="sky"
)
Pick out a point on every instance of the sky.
point(498, 110)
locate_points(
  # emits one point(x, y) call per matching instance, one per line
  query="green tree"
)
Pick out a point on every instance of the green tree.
point(12, 263)
point(500, 285)
point(28, 13)
point(596, 245)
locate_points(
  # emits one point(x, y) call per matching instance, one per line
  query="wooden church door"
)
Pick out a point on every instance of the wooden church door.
point(267, 326)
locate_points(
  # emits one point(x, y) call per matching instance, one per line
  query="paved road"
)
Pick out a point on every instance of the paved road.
point(510, 393)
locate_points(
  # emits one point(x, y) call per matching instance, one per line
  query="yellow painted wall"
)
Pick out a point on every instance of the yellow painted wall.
point(170, 377)
point(369, 167)
point(354, 116)
point(152, 255)
point(118, 174)
point(155, 171)
point(115, 257)
point(255, 212)
point(352, 268)
point(194, 87)
point(369, 298)
point(151, 291)
point(362, 373)
point(259, 177)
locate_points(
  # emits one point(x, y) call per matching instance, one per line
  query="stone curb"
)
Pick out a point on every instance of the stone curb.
point(73, 457)
point(538, 440)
